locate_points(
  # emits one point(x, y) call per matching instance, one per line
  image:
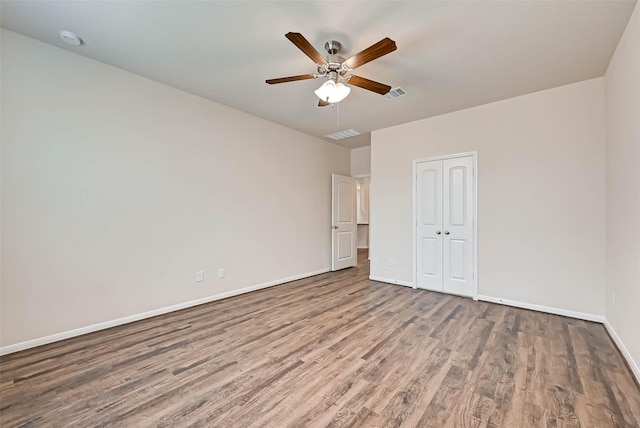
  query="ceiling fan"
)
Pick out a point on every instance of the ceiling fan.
point(336, 68)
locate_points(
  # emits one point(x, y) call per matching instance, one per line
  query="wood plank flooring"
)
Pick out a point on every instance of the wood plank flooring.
point(334, 350)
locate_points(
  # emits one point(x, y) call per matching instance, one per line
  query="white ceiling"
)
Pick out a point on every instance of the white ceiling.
point(451, 54)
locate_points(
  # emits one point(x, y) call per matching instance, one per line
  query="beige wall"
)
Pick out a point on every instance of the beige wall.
point(623, 190)
point(361, 161)
point(541, 190)
point(117, 189)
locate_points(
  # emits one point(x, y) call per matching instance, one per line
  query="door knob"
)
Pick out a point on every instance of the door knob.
point(334, 227)
point(446, 232)
point(438, 232)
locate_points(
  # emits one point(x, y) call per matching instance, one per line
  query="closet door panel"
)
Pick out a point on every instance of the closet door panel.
point(429, 225)
point(458, 225)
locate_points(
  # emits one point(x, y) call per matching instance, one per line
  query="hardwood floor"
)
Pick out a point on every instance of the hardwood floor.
point(328, 351)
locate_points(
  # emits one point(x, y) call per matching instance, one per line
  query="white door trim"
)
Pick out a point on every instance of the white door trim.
point(474, 157)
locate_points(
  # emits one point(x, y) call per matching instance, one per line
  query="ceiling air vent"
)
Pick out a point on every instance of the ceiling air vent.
point(395, 93)
point(343, 134)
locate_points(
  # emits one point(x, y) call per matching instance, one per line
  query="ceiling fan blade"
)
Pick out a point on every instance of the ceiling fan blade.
point(322, 103)
point(375, 51)
point(369, 85)
point(291, 79)
point(306, 47)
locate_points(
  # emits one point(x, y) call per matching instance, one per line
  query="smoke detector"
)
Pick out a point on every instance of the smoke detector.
point(70, 38)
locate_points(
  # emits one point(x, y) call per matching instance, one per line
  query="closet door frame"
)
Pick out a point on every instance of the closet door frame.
point(474, 158)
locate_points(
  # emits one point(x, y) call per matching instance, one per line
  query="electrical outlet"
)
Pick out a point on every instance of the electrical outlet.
point(221, 273)
point(324, 254)
point(200, 276)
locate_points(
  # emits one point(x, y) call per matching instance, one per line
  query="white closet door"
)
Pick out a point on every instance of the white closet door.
point(429, 225)
point(458, 225)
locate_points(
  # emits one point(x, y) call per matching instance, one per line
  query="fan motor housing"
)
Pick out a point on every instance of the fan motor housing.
point(335, 63)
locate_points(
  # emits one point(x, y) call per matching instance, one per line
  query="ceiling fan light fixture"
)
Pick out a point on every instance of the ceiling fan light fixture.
point(332, 92)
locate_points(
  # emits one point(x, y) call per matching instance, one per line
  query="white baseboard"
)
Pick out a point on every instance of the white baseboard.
point(137, 317)
point(547, 309)
point(623, 350)
point(391, 281)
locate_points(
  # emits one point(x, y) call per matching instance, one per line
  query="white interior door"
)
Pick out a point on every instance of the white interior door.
point(429, 225)
point(445, 225)
point(343, 224)
point(458, 225)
